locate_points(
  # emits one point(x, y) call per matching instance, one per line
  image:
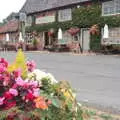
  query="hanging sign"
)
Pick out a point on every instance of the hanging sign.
point(46, 18)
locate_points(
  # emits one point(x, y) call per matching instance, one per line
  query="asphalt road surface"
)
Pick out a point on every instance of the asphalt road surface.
point(95, 78)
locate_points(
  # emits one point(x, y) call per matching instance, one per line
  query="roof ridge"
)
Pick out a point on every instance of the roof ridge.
point(32, 6)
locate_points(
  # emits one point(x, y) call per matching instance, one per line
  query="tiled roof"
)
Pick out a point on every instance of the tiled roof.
point(32, 6)
point(11, 26)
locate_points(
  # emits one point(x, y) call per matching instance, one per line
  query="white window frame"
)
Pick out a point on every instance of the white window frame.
point(63, 14)
point(114, 6)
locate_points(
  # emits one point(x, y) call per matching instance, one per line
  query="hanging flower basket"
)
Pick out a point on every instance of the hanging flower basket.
point(94, 30)
point(51, 32)
point(73, 31)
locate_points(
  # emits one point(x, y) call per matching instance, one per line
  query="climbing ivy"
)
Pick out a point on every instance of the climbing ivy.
point(83, 17)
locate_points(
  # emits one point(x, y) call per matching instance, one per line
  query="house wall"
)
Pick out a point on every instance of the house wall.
point(58, 15)
point(13, 37)
point(2, 37)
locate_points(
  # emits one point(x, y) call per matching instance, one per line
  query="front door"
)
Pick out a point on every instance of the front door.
point(86, 40)
point(46, 39)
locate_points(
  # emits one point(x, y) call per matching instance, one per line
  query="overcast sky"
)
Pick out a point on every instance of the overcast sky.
point(8, 6)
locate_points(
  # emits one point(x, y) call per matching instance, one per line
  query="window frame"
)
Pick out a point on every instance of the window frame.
point(63, 12)
point(114, 6)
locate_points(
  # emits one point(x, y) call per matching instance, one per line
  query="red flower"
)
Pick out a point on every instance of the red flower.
point(17, 73)
point(30, 97)
point(8, 96)
point(9, 105)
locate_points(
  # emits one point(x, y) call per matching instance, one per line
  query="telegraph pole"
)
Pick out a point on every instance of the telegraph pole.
point(22, 28)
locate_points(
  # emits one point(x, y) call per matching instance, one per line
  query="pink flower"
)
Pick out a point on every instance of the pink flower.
point(14, 86)
point(2, 68)
point(4, 62)
point(6, 80)
point(1, 77)
point(5, 83)
point(33, 84)
point(20, 82)
point(1, 100)
point(14, 92)
point(36, 92)
point(31, 65)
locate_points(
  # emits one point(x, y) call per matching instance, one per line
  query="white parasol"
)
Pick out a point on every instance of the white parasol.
point(60, 34)
point(7, 37)
point(20, 37)
point(106, 31)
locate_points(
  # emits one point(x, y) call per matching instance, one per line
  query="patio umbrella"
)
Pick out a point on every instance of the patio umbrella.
point(60, 34)
point(7, 37)
point(20, 37)
point(106, 31)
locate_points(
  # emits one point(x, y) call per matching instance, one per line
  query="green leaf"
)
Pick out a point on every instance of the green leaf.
point(42, 118)
point(56, 102)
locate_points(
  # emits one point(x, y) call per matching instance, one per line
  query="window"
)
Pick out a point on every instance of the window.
point(114, 32)
point(64, 15)
point(111, 7)
point(114, 36)
point(29, 38)
point(117, 6)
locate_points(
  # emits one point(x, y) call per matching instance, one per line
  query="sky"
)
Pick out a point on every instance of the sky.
point(8, 6)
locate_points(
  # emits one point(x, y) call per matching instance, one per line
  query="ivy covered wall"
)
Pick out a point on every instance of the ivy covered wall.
point(83, 17)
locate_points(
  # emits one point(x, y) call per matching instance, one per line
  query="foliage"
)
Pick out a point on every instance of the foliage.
point(95, 43)
point(34, 42)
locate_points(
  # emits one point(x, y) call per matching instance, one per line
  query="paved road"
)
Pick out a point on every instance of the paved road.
point(96, 78)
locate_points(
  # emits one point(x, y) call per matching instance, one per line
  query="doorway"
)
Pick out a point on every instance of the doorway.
point(46, 38)
point(85, 40)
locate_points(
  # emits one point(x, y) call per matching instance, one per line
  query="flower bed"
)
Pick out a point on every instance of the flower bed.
point(27, 93)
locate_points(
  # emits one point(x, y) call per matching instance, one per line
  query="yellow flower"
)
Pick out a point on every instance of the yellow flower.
point(19, 63)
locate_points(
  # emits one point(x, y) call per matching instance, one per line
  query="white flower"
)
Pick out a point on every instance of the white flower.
point(39, 75)
point(52, 78)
